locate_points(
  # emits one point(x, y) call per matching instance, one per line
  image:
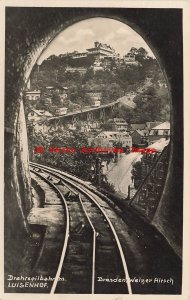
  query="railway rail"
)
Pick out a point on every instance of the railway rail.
point(91, 248)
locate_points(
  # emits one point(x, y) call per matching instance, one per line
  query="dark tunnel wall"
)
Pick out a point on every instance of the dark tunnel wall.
point(28, 32)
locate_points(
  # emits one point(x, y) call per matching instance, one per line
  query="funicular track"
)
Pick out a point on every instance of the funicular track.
point(91, 247)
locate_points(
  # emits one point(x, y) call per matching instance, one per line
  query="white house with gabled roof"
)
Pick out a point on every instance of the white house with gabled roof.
point(109, 138)
point(160, 131)
point(36, 115)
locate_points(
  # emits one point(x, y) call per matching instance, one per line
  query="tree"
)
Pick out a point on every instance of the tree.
point(152, 105)
point(88, 75)
point(56, 100)
point(125, 112)
point(111, 93)
point(106, 126)
point(141, 54)
point(113, 84)
point(133, 50)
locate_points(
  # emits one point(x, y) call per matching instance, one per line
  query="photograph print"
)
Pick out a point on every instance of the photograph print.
point(93, 150)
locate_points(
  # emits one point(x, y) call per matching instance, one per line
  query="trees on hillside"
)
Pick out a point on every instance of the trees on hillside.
point(77, 163)
point(141, 54)
point(113, 84)
point(111, 93)
point(130, 75)
point(151, 105)
point(56, 99)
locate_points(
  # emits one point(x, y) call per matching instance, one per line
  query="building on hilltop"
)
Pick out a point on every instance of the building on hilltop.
point(61, 90)
point(79, 55)
point(33, 95)
point(101, 50)
point(81, 70)
point(97, 66)
point(130, 58)
point(94, 94)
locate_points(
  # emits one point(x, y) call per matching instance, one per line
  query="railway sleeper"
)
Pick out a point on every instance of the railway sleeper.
point(84, 237)
point(71, 197)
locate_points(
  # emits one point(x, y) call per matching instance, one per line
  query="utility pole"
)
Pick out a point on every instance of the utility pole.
point(98, 170)
point(56, 73)
point(129, 190)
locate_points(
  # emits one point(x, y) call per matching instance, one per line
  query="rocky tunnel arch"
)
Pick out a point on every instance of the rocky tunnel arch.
point(28, 33)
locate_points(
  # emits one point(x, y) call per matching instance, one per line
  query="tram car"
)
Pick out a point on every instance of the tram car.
point(60, 111)
point(96, 103)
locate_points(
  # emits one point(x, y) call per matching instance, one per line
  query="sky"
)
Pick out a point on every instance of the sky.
point(83, 34)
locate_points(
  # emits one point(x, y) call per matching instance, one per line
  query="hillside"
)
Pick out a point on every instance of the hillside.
point(133, 83)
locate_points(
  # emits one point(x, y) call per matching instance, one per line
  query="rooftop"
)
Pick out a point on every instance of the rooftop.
point(33, 92)
point(111, 134)
point(139, 132)
point(98, 45)
point(137, 126)
point(41, 112)
point(118, 121)
point(165, 125)
point(150, 125)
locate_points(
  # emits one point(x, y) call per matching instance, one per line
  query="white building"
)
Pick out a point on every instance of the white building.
point(96, 103)
point(87, 126)
point(162, 83)
point(118, 124)
point(101, 50)
point(79, 55)
point(130, 58)
point(81, 70)
point(37, 115)
point(61, 111)
point(33, 95)
point(41, 127)
point(160, 131)
point(109, 138)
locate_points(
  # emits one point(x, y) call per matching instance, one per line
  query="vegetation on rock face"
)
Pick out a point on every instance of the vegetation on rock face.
point(76, 163)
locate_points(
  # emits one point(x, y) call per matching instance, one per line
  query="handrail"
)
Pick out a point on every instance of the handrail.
point(144, 180)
